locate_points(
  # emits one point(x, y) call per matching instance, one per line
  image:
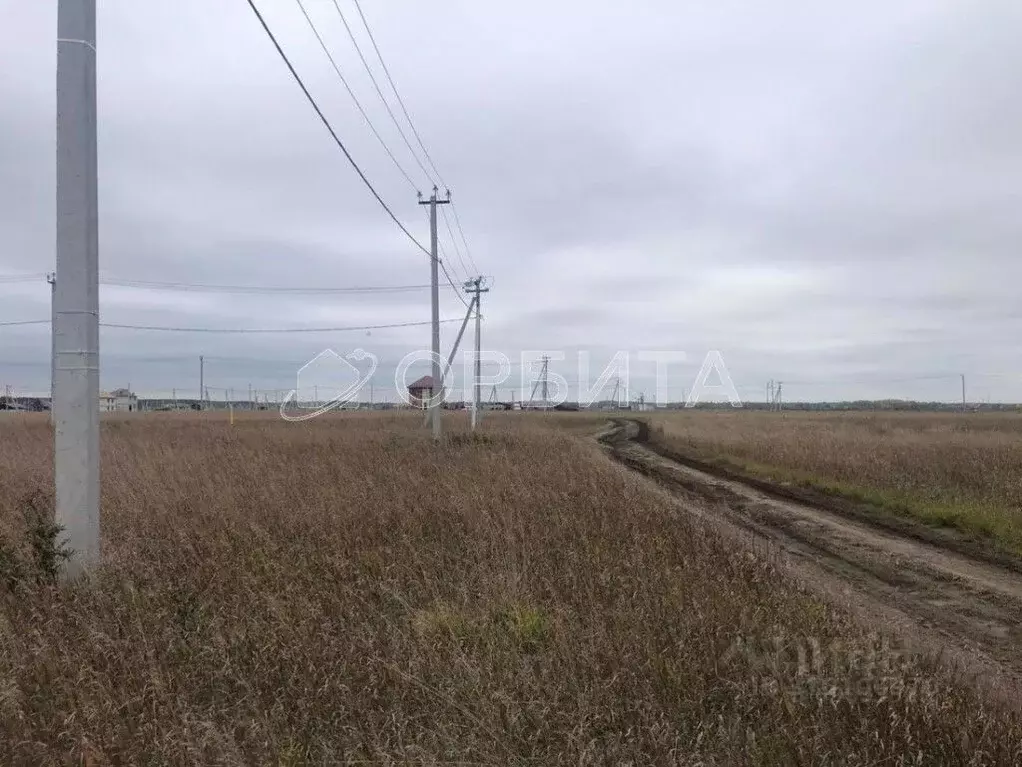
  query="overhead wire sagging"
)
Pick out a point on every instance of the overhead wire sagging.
point(258, 289)
point(379, 92)
point(269, 330)
point(171, 329)
point(411, 124)
point(354, 98)
point(461, 231)
point(330, 129)
point(340, 144)
point(397, 94)
point(454, 242)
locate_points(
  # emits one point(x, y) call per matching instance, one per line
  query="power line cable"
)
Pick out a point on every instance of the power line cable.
point(443, 267)
point(880, 380)
point(269, 330)
point(411, 124)
point(468, 251)
point(329, 127)
point(256, 289)
point(379, 92)
point(454, 241)
point(344, 149)
point(12, 278)
point(443, 255)
point(259, 289)
point(358, 104)
point(400, 101)
point(120, 326)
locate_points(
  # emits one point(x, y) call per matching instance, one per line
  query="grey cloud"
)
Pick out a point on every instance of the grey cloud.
point(823, 193)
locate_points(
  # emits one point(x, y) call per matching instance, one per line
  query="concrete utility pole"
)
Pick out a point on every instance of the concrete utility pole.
point(202, 382)
point(52, 279)
point(434, 264)
point(454, 347)
point(476, 287)
point(76, 384)
point(963, 392)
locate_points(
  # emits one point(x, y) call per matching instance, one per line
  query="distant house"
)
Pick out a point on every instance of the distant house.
point(118, 401)
point(420, 392)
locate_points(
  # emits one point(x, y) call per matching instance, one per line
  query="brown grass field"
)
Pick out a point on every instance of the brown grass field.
point(954, 469)
point(345, 592)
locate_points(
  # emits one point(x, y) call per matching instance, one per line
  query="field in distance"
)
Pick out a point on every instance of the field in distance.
point(960, 470)
point(343, 590)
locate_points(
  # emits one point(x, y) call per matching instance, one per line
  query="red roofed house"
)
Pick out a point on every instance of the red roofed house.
point(420, 391)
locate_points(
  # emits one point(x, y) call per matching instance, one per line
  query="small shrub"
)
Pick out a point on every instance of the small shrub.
point(38, 556)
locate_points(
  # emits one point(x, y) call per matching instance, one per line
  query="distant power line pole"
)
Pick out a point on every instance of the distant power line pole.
point(434, 273)
point(76, 384)
point(202, 382)
point(540, 382)
point(475, 286)
point(963, 392)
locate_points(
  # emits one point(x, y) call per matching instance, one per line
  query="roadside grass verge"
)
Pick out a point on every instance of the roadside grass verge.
point(943, 470)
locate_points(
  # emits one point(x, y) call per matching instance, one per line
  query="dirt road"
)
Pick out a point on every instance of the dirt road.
point(935, 598)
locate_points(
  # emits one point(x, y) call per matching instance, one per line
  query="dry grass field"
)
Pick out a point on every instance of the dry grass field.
point(961, 470)
point(343, 591)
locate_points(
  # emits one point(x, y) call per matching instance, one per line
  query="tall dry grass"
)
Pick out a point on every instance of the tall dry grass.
point(343, 591)
point(963, 470)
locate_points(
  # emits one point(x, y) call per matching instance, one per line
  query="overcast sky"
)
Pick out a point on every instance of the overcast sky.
point(828, 194)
